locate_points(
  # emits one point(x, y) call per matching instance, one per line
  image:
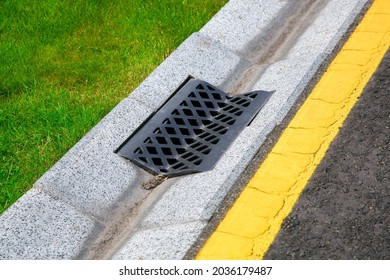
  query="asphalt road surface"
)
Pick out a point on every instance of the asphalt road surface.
point(344, 211)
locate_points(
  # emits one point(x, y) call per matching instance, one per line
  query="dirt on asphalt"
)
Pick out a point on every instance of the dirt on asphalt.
point(344, 211)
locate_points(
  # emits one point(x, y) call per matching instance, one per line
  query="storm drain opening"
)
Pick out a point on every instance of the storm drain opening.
point(191, 131)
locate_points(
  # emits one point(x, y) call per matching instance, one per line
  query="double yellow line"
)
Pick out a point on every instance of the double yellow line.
point(252, 223)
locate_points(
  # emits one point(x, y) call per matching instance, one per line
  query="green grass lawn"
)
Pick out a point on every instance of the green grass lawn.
point(65, 64)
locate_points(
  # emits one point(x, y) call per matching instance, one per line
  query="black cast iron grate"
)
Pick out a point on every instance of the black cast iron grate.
point(191, 131)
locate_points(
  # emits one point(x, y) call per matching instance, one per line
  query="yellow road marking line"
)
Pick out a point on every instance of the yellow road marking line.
point(252, 223)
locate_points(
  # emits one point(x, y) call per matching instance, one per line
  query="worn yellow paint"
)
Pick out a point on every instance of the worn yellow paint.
point(252, 223)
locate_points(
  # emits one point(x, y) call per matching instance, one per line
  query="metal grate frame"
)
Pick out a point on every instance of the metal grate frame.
point(191, 131)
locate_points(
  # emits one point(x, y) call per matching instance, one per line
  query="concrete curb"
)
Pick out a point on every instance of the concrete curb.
point(92, 195)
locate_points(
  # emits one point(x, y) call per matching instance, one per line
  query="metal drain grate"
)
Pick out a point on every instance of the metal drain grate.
point(191, 131)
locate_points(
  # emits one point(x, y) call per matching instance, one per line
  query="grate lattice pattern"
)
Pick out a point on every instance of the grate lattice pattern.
point(192, 130)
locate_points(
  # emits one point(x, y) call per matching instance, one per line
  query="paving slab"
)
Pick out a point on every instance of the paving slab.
point(200, 57)
point(238, 23)
point(160, 243)
point(39, 226)
point(91, 176)
point(289, 76)
point(324, 33)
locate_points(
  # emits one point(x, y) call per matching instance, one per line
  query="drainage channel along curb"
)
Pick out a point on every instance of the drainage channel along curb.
point(251, 225)
point(90, 204)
